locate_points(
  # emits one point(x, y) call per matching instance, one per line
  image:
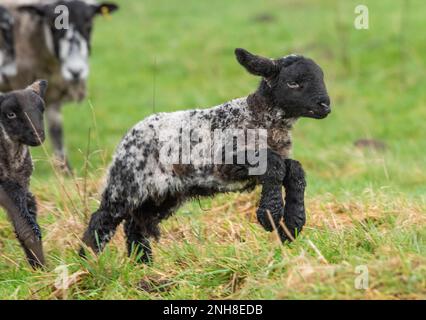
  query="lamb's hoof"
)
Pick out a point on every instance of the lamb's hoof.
point(288, 234)
point(145, 259)
point(269, 219)
point(36, 264)
point(155, 286)
point(82, 253)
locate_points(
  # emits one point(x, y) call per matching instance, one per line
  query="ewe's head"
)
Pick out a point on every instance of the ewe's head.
point(67, 32)
point(294, 84)
point(7, 45)
point(21, 114)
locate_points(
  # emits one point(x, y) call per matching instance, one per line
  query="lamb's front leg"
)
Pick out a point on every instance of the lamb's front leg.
point(289, 219)
point(271, 206)
point(20, 208)
point(294, 211)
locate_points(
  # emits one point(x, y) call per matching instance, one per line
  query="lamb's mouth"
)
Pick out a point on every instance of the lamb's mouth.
point(317, 114)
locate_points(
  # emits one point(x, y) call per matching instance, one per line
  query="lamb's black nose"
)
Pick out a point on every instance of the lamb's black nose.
point(324, 103)
point(39, 136)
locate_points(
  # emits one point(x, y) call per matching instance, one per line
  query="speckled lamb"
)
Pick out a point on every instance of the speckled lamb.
point(21, 126)
point(142, 189)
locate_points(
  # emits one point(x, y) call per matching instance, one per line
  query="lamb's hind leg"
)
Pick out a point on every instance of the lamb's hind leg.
point(271, 206)
point(144, 225)
point(21, 209)
point(102, 226)
point(138, 242)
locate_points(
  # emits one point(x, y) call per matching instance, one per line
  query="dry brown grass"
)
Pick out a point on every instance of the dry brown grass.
point(224, 235)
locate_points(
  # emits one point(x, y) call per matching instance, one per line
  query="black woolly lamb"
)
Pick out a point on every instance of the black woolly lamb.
point(21, 126)
point(143, 189)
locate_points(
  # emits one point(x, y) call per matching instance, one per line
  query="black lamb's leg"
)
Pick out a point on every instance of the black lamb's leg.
point(21, 208)
point(143, 225)
point(271, 204)
point(137, 241)
point(32, 210)
point(102, 226)
point(294, 212)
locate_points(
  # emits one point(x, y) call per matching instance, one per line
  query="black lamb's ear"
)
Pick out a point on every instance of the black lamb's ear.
point(39, 87)
point(37, 9)
point(105, 8)
point(1, 98)
point(256, 65)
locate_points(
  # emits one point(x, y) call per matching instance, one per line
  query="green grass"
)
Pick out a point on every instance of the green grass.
point(364, 207)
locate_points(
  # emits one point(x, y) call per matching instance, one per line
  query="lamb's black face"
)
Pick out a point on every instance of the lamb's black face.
point(299, 89)
point(70, 44)
point(21, 114)
point(7, 45)
point(294, 84)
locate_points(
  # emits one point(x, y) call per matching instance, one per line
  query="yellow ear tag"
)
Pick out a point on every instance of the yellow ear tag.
point(105, 12)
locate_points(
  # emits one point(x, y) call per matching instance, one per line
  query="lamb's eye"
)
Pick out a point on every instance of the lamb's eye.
point(293, 85)
point(11, 115)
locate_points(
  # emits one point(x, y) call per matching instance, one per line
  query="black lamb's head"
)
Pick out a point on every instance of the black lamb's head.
point(294, 84)
point(21, 114)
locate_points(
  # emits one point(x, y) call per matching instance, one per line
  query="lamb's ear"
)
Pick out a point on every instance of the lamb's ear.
point(256, 65)
point(105, 8)
point(39, 87)
point(37, 9)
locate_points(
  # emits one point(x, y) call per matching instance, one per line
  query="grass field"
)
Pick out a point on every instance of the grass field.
point(365, 207)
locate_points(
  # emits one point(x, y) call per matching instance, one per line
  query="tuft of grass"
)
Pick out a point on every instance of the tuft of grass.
point(220, 252)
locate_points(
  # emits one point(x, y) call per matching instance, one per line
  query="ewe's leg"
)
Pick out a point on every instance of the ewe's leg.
point(21, 209)
point(137, 241)
point(271, 200)
point(294, 184)
point(102, 226)
point(56, 131)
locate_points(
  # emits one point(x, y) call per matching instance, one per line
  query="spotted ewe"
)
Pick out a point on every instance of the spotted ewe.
point(49, 49)
point(143, 190)
point(21, 126)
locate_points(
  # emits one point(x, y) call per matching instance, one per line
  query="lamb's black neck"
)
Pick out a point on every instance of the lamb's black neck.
point(10, 148)
point(266, 114)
